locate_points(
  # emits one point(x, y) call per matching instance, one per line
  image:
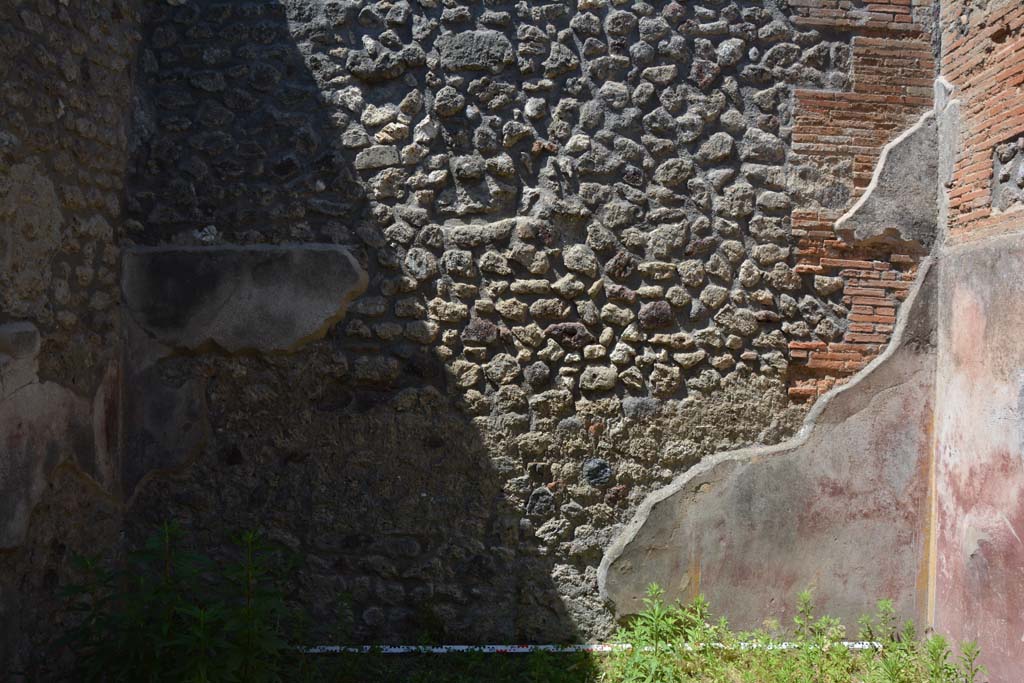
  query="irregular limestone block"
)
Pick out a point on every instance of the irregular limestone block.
point(263, 298)
point(901, 202)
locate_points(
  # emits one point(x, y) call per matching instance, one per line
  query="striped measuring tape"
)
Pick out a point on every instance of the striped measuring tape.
point(558, 649)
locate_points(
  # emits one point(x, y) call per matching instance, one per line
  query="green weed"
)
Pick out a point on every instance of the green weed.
point(681, 643)
point(168, 614)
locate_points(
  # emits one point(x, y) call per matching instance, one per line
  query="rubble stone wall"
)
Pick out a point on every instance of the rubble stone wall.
point(581, 224)
point(64, 127)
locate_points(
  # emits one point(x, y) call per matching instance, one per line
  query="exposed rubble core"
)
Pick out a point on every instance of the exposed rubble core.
point(433, 292)
point(576, 224)
point(1008, 174)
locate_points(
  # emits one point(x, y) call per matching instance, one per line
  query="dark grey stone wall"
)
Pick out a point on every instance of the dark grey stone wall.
point(575, 223)
point(65, 107)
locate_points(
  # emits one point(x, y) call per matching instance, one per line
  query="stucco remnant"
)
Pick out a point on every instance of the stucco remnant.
point(751, 528)
point(901, 201)
point(31, 218)
point(42, 425)
point(266, 298)
point(979, 450)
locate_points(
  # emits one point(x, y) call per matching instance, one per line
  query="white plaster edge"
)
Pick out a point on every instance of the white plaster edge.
point(747, 454)
point(883, 160)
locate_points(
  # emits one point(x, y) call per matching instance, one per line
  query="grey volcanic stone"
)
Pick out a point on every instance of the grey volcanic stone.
point(656, 315)
point(640, 407)
point(597, 472)
point(475, 51)
point(760, 146)
point(541, 503)
point(449, 101)
point(570, 335)
point(537, 374)
point(267, 298)
point(378, 156)
point(480, 331)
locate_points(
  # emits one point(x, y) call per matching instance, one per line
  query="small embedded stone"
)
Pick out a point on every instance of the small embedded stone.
point(689, 360)
point(537, 374)
point(661, 75)
point(541, 502)
point(826, 286)
point(580, 258)
point(480, 331)
point(757, 145)
point(717, 149)
point(377, 156)
point(502, 369)
point(448, 102)
point(599, 378)
point(656, 315)
point(616, 315)
point(570, 335)
point(620, 266)
point(770, 254)
point(665, 380)
point(714, 296)
point(475, 51)
point(620, 23)
point(597, 472)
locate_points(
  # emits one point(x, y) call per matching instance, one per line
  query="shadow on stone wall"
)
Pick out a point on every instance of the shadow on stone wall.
point(359, 461)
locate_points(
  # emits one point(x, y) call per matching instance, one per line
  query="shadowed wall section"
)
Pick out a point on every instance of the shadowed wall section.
point(436, 294)
point(65, 106)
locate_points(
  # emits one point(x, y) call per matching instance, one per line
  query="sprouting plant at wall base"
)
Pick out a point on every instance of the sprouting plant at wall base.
point(173, 615)
point(679, 643)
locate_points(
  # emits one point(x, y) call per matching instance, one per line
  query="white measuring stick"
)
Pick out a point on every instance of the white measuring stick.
point(559, 649)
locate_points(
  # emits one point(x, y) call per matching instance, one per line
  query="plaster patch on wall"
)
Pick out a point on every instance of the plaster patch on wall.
point(240, 298)
point(42, 425)
point(900, 202)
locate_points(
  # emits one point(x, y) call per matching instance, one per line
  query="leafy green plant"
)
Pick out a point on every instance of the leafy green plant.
point(169, 614)
point(969, 669)
point(679, 643)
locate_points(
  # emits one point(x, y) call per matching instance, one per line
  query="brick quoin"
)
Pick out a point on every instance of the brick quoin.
point(982, 58)
point(893, 72)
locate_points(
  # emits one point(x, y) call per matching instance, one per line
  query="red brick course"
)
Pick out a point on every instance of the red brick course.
point(982, 58)
point(893, 72)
